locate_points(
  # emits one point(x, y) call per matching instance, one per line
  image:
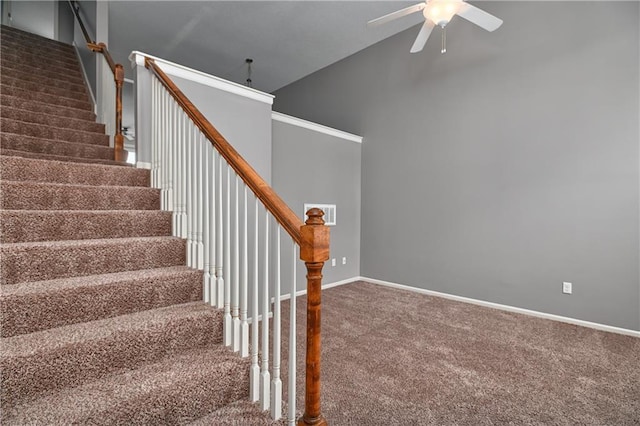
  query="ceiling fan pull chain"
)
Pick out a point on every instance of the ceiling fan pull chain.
point(444, 40)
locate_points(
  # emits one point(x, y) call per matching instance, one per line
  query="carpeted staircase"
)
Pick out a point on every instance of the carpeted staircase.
point(101, 321)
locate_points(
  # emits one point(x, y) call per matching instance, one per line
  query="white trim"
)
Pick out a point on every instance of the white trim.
point(180, 71)
point(294, 121)
point(84, 75)
point(324, 287)
point(143, 165)
point(597, 326)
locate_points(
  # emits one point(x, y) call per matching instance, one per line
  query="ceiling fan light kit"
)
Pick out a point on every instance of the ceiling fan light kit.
point(439, 13)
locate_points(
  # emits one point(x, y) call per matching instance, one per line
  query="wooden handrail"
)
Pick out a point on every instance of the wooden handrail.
point(312, 237)
point(118, 77)
point(278, 208)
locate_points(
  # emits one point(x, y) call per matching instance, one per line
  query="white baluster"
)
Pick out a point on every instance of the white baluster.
point(193, 194)
point(154, 132)
point(175, 146)
point(276, 382)
point(171, 112)
point(206, 277)
point(219, 240)
point(227, 336)
point(265, 377)
point(162, 153)
point(212, 225)
point(199, 201)
point(292, 341)
point(244, 325)
point(255, 368)
point(182, 175)
point(235, 293)
point(165, 151)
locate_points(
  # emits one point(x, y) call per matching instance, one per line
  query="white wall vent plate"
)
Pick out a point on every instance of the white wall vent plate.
point(328, 209)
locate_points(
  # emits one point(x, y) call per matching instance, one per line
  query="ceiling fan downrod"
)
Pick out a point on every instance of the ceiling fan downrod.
point(443, 49)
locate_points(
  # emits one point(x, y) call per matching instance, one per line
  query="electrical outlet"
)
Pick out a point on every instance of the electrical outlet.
point(344, 260)
point(333, 262)
point(566, 287)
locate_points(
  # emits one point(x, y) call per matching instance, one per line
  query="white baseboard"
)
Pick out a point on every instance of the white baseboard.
point(508, 308)
point(324, 287)
point(143, 165)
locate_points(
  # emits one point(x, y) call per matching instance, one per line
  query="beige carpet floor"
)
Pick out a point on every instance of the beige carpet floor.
point(394, 357)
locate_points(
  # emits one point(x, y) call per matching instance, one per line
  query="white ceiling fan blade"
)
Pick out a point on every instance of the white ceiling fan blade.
point(397, 14)
point(423, 36)
point(479, 17)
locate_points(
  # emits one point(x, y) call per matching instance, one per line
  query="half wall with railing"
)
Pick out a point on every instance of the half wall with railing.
point(241, 234)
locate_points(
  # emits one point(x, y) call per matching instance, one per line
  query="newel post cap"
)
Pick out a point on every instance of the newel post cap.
point(314, 246)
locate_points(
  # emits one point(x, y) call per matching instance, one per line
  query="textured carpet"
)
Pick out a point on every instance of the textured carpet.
point(393, 357)
point(102, 322)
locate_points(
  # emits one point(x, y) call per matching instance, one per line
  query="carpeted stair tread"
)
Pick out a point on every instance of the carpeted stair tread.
point(169, 392)
point(55, 121)
point(19, 226)
point(35, 106)
point(80, 103)
point(38, 54)
point(37, 170)
point(63, 92)
point(17, 142)
point(53, 52)
point(52, 157)
point(27, 37)
point(52, 70)
point(41, 305)
point(21, 195)
point(73, 84)
point(70, 355)
point(63, 61)
point(11, 69)
point(47, 260)
point(44, 131)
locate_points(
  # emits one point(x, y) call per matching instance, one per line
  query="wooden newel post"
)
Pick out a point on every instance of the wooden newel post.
point(314, 251)
point(118, 138)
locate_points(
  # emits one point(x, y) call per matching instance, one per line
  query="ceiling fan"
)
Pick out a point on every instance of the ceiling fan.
point(440, 12)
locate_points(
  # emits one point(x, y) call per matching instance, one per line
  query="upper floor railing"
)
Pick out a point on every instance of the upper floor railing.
point(118, 80)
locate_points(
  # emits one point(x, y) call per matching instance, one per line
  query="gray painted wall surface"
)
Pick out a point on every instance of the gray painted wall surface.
point(88, 58)
point(65, 22)
point(505, 167)
point(244, 122)
point(37, 17)
point(309, 166)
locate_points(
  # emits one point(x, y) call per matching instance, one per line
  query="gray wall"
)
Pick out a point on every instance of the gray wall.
point(36, 17)
point(244, 122)
point(88, 58)
point(505, 167)
point(65, 22)
point(312, 167)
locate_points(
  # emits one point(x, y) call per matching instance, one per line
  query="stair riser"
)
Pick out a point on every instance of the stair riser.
point(46, 132)
point(80, 104)
point(41, 108)
point(29, 144)
point(34, 196)
point(18, 57)
point(51, 157)
point(43, 81)
point(34, 262)
point(35, 52)
point(74, 77)
point(29, 376)
point(47, 309)
point(20, 226)
point(44, 89)
point(51, 120)
point(48, 51)
point(29, 39)
point(23, 169)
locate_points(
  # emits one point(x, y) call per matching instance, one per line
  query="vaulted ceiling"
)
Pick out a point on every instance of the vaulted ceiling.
point(286, 39)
